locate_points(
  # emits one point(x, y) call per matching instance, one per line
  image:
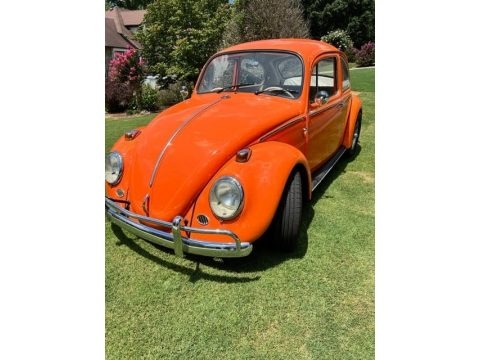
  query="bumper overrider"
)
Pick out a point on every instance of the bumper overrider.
point(174, 239)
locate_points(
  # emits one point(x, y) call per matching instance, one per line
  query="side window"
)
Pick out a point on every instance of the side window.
point(323, 78)
point(346, 76)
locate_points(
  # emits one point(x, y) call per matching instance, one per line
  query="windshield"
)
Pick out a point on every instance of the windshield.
point(270, 73)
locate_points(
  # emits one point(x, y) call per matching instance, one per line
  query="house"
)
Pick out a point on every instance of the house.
point(120, 25)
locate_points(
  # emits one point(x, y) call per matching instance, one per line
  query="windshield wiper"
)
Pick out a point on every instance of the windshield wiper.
point(220, 89)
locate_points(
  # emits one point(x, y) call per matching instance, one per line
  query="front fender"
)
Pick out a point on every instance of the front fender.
point(263, 178)
point(124, 147)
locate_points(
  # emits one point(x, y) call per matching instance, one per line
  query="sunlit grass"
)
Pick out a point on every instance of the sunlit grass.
point(317, 303)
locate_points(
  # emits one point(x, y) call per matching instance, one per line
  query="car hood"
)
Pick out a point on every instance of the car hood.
point(183, 147)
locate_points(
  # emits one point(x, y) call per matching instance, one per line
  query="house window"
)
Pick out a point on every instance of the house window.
point(118, 51)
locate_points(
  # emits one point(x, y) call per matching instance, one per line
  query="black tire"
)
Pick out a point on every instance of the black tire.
point(356, 136)
point(286, 223)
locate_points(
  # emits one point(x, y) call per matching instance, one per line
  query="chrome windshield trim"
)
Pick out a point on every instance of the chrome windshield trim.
point(174, 240)
point(265, 50)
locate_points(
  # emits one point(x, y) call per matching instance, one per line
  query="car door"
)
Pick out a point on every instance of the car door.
point(326, 110)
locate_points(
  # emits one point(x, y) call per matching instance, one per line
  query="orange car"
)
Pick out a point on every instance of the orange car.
point(266, 122)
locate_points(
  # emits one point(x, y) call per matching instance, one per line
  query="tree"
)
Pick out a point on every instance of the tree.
point(357, 17)
point(127, 4)
point(265, 19)
point(178, 36)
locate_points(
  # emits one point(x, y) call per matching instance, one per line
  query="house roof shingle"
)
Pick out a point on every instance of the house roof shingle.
point(112, 37)
point(116, 32)
point(129, 17)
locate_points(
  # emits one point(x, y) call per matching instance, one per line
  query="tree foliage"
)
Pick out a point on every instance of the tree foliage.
point(178, 36)
point(127, 4)
point(357, 17)
point(265, 19)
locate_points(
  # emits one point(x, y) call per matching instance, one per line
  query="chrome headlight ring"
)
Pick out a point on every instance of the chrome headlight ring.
point(113, 168)
point(226, 198)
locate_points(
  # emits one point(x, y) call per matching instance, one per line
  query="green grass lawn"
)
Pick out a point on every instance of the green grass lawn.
point(317, 303)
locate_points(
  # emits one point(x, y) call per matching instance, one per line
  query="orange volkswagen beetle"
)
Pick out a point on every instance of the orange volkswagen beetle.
point(209, 176)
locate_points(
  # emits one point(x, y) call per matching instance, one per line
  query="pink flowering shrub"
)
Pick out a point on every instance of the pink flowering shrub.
point(123, 85)
point(127, 67)
point(366, 55)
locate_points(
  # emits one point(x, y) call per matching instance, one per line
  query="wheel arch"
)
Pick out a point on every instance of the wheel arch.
point(306, 181)
point(354, 113)
point(263, 178)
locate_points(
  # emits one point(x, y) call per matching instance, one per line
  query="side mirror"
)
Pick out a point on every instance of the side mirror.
point(184, 92)
point(322, 97)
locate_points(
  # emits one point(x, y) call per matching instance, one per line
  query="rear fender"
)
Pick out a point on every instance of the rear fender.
point(355, 109)
point(263, 178)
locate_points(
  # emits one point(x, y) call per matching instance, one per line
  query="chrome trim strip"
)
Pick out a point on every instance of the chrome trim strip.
point(169, 142)
point(121, 217)
point(319, 111)
point(281, 128)
point(322, 109)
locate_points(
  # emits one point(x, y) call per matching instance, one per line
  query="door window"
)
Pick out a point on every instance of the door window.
point(323, 79)
point(346, 76)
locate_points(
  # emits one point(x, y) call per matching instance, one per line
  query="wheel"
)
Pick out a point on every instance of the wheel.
point(286, 223)
point(356, 136)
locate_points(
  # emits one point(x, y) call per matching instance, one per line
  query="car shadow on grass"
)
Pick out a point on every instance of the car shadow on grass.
point(129, 240)
point(263, 256)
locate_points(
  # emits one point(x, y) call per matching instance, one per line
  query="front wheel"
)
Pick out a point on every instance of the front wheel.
point(286, 223)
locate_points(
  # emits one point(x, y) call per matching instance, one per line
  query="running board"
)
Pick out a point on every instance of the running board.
point(320, 174)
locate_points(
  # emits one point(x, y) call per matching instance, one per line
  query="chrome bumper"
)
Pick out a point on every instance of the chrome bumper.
point(174, 240)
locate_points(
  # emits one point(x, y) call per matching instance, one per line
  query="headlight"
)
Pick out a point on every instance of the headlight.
point(113, 168)
point(226, 197)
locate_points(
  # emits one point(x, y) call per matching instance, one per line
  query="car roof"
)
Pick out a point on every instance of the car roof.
point(307, 48)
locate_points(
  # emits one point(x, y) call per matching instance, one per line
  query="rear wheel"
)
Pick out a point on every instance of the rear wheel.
point(286, 223)
point(356, 136)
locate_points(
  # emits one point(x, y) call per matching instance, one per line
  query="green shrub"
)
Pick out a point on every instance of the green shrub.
point(340, 39)
point(170, 96)
point(131, 112)
point(149, 100)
